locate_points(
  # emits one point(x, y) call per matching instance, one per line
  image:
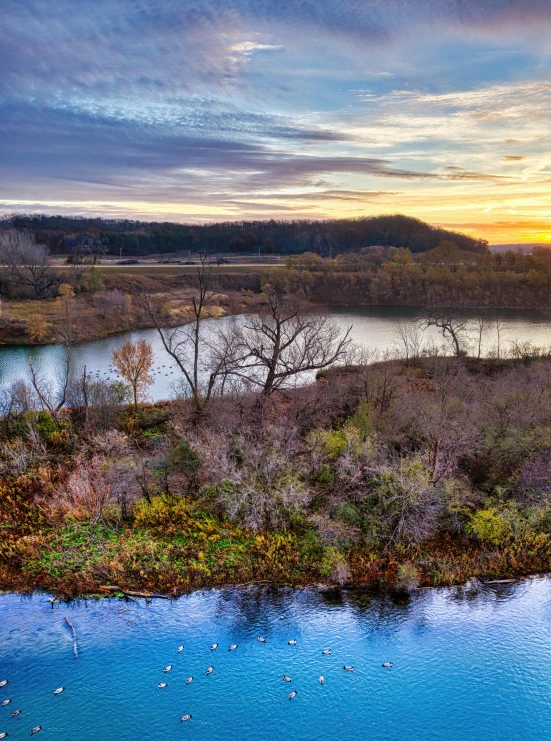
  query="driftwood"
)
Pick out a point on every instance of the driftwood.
point(501, 581)
point(70, 624)
point(127, 593)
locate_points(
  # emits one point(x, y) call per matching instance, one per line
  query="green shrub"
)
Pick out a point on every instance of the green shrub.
point(45, 426)
point(489, 526)
point(347, 513)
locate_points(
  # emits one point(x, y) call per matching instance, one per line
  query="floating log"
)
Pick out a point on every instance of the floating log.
point(501, 581)
point(70, 624)
point(128, 593)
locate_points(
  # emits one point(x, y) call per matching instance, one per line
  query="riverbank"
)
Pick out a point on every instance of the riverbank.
point(115, 308)
point(424, 472)
point(108, 565)
point(108, 304)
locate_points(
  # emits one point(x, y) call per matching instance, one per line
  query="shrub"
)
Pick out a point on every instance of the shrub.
point(334, 566)
point(489, 526)
point(407, 578)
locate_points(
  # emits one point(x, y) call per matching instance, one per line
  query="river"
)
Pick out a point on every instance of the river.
point(465, 666)
point(374, 328)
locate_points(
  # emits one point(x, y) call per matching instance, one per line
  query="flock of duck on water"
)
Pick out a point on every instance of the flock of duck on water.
point(162, 685)
point(15, 713)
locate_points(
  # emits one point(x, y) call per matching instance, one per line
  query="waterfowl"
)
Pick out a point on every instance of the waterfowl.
point(261, 640)
point(387, 664)
point(322, 679)
point(293, 694)
point(185, 717)
point(180, 649)
point(5, 702)
point(167, 668)
point(210, 670)
point(286, 678)
point(189, 679)
point(35, 730)
point(59, 690)
point(214, 647)
point(348, 668)
point(3, 735)
point(161, 685)
point(16, 713)
point(232, 647)
point(4, 682)
point(327, 652)
point(292, 643)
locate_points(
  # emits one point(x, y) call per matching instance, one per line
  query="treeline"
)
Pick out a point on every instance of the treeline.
point(397, 278)
point(65, 234)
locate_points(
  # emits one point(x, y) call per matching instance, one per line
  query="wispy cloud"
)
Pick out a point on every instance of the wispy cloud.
point(216, 109)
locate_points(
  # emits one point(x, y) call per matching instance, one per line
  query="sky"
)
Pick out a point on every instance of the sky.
point(209, 110)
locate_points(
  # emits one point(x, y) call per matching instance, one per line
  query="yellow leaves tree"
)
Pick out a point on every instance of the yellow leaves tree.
point(133, 360)
point(37, 328)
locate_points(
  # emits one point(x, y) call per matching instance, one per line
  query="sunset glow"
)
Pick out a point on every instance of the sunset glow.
point(211, 111)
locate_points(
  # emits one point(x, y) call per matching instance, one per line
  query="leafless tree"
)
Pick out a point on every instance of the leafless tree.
point(187, 345)
point(500, 331)
point(26, 264)
point(454, 330)
point(283, 341)
point(410, 338)
point(481, 326)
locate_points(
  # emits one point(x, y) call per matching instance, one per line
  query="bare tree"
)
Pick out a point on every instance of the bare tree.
point(186, 345)
point(283, 341)
point(500, 331)
point(26, 263)
point(453, 329)
point(409, 336)
point(481, 326)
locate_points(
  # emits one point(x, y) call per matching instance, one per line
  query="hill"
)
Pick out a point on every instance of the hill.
point(63, 234)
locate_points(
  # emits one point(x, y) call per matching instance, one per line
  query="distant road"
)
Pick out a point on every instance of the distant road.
point(159, 268)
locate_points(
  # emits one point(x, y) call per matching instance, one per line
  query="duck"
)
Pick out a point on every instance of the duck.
point(292, 643)
point(185, 717)
point(5, 702)
point(261, 640)
point(189, 679)
point(210, 670)
point(233, 647)
point(167, 668)
point(326, 652)
point(161, 685)
point(59, 690)
point(4, 682)
point(293, 694)
point(16, 713)
point(214, 647)
point(348, 668)
point(387, 664)
point(286, 678)
point(180, 649)
point(3, 735)
point(36, 729)
point(322, 679)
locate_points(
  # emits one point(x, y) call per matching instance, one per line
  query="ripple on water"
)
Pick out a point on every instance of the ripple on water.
point(464, 667)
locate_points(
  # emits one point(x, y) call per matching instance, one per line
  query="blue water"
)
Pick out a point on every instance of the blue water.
point(464, 666)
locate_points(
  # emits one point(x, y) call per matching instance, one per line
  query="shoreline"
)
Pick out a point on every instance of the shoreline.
point(113, 592)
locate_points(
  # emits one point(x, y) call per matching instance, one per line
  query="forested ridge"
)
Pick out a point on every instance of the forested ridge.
point(63, 234)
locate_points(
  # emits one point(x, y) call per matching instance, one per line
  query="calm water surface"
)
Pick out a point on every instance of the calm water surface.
point(373, 328)
point(466, 667)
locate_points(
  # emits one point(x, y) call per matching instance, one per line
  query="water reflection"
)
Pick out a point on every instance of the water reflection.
point(374, 328)
point(466, 665)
